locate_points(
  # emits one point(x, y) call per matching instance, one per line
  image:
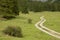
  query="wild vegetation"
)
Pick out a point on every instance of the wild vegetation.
point(27, 13)
point(39, 6)
point(13, 31)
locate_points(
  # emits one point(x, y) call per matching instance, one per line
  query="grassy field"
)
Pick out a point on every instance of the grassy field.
point(29, 31)
point(53, 21)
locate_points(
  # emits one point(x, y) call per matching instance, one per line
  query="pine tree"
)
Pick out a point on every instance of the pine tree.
point(9, 7)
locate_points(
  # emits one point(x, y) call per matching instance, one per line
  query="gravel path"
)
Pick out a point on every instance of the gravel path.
point(41, 27)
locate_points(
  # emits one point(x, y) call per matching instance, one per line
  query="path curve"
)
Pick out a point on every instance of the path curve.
point(41, 27)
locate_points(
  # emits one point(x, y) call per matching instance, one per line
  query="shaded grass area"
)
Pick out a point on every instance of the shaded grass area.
point(29, 31)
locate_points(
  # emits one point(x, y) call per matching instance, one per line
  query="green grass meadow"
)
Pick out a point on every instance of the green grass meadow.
point(29, 31)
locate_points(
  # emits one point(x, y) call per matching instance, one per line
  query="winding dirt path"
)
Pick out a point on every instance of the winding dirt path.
point(41, 27)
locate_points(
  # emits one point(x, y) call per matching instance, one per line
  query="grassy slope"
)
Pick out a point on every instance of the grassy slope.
point(53, 21)
point(30, 32)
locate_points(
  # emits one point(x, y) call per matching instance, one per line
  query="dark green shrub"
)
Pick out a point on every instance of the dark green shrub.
point(29, 20)
point(25, 10)
point(13, 31)
point(8, 17)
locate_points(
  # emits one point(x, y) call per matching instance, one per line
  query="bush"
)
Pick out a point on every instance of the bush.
point(25, 11)
point(29, 20)
point(13, 31)
point(8, 17)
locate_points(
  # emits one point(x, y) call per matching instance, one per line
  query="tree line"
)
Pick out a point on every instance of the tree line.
point(14, 6)
point(38, 6)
